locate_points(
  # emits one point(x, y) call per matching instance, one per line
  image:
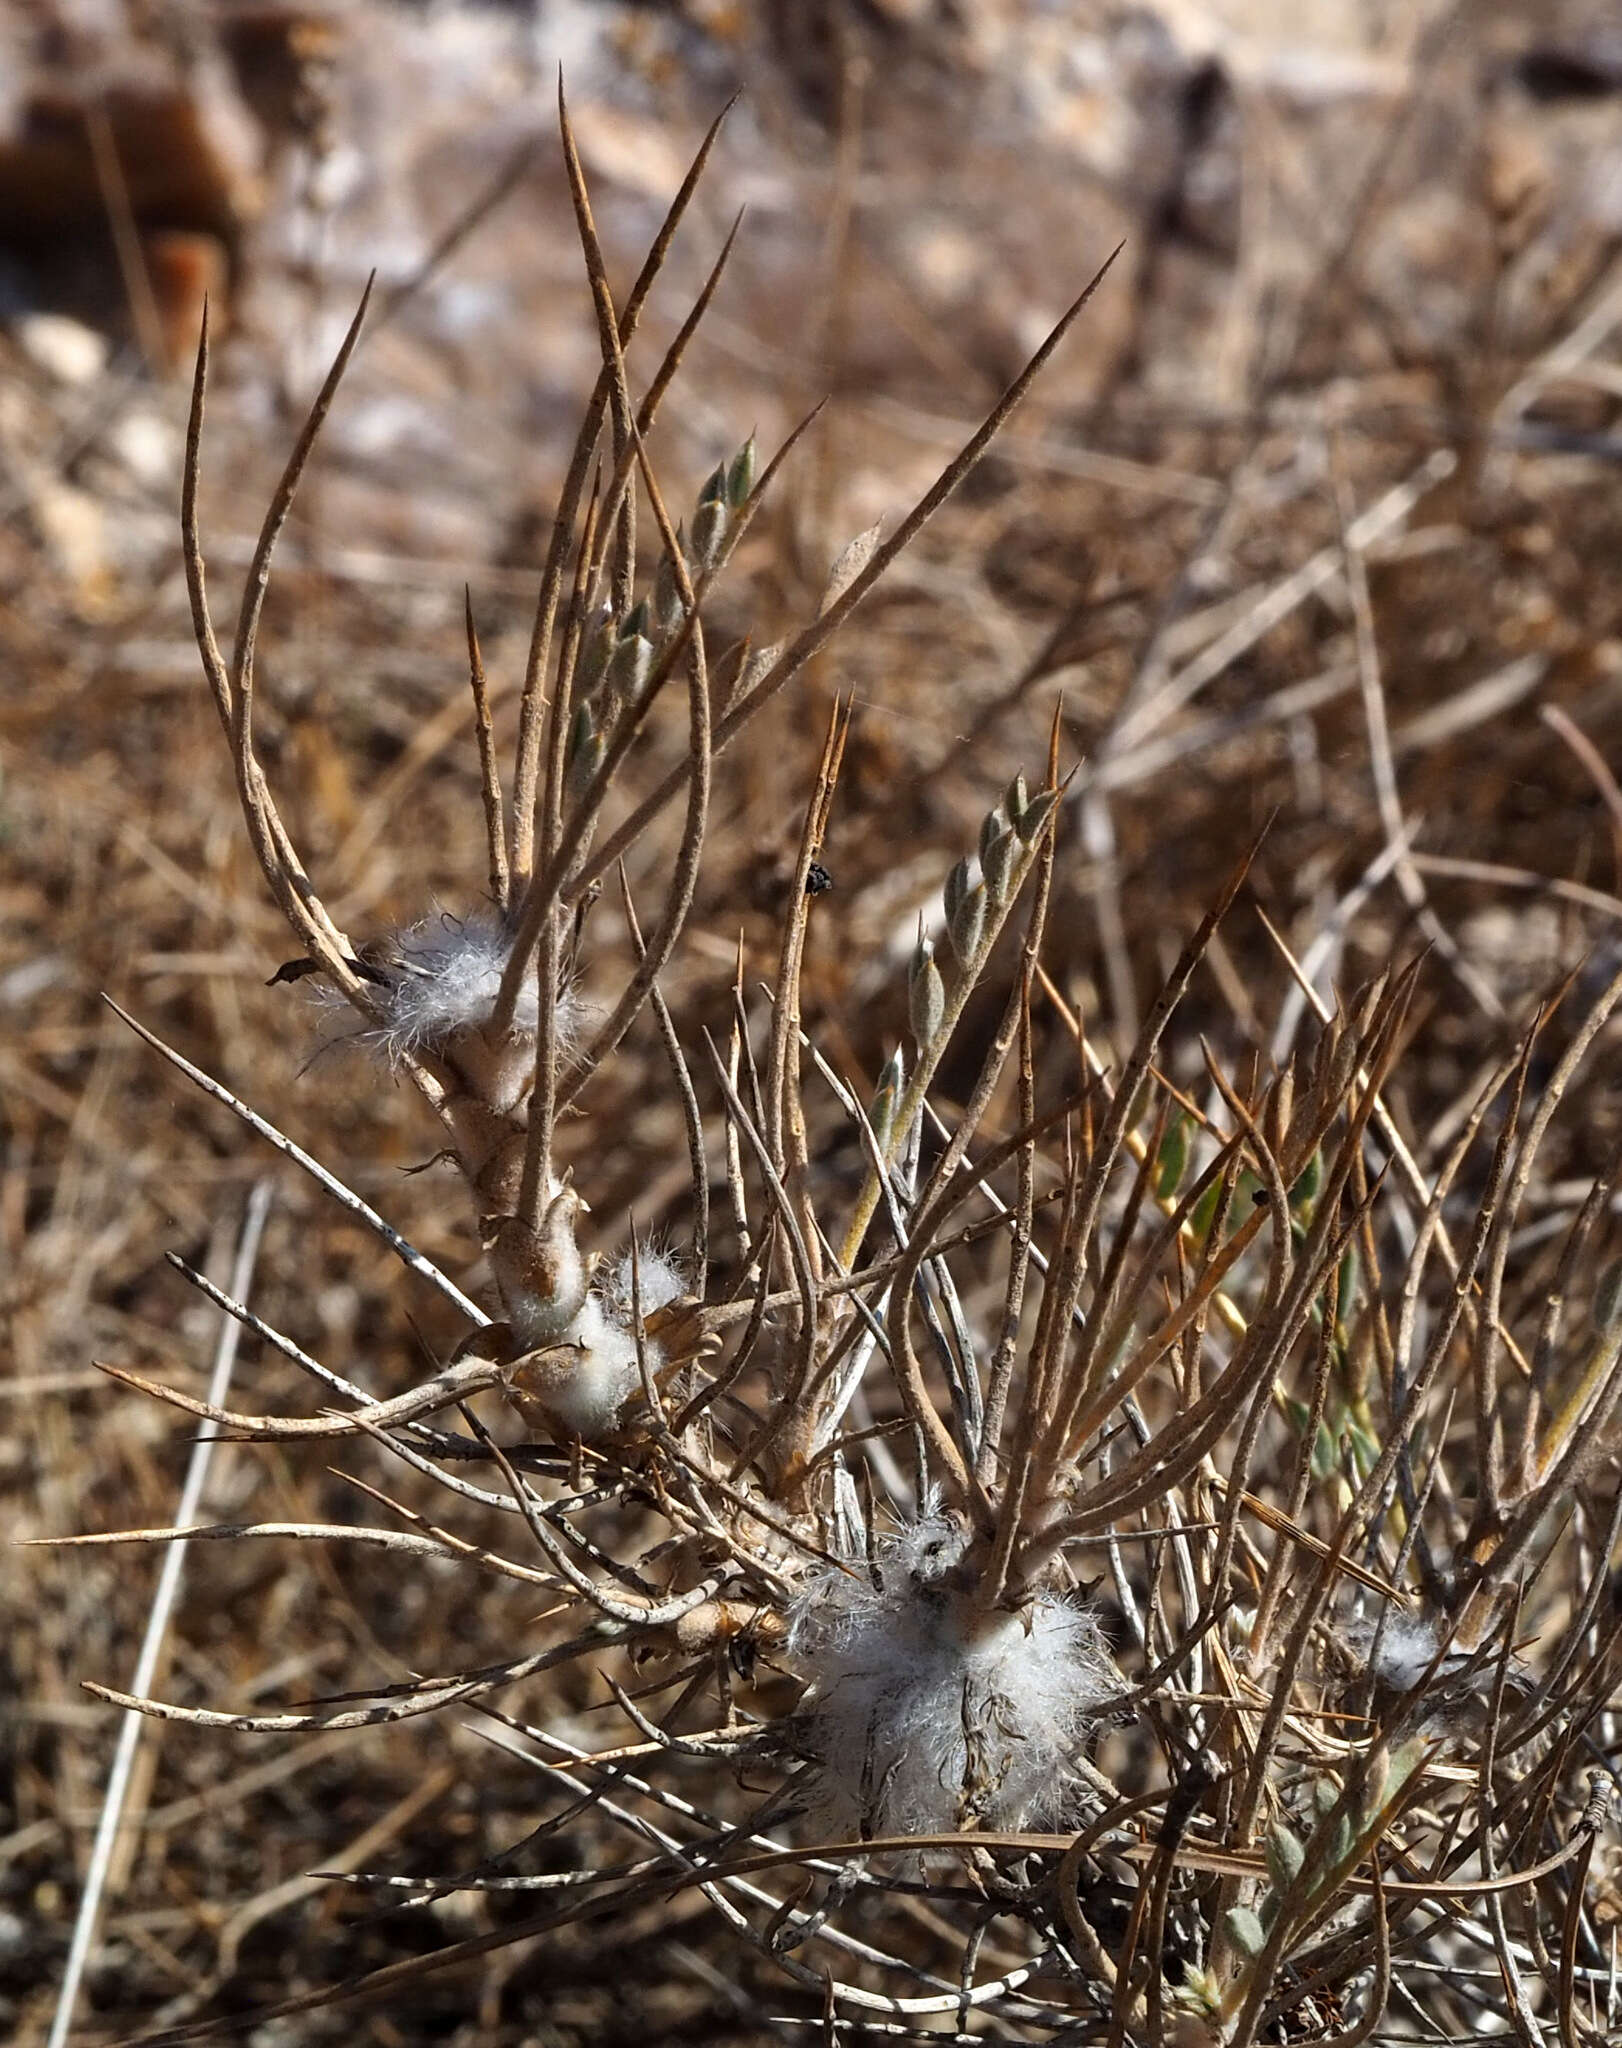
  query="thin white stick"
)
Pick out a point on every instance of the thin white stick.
point(403, 1250)
point(157, 1627)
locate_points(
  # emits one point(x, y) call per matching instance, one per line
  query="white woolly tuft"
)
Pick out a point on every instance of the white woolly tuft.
point(1405, 1651)
point(659, 1281)
point(444, 974)
point(926, 1714)
point(440, 979)
point(595, 1376)
point(1399, 1652)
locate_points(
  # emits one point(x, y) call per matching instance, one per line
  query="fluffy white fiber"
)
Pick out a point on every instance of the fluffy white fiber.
point(444, 973)
point(586, 1381)
point(658, 1281)
point(926, 1715)
point(1405, 1650)
point(442, 978)
point(1399, 1652)
point(585, 1388)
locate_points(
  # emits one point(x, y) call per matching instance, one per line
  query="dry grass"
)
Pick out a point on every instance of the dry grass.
point(1353, 593)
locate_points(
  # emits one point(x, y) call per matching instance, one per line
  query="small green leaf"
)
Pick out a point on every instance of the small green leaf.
point(1172, 1161)
point(997, 863)
point(741, 475)
point(1608, 1299)
point(1365, 1449)
point(1245, 1931)
point(710, 522)
point(968, 922)
point(926, 995)
point(882, 1114)
point(1285, 1855)
point(1035, 814)
point(1347, 1286)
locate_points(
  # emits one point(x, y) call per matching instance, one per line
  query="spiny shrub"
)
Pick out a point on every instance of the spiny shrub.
point(1128, 1568)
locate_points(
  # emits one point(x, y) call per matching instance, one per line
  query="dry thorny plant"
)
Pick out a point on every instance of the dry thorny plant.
point(836, 1501)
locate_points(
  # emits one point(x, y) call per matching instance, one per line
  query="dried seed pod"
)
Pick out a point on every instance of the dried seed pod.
point(851, 560)
point(926, 994)
point(541, 1274)
point(757, 665)
point(922, 1709)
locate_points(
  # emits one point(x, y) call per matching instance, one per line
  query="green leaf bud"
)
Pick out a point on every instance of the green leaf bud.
point(1608, 1299)
point(958, 884)
point(891, 1082)
point(710, 524)
point(586, 751)
point(1035, 815)
point(667, 605)
point(997, 860)
point(1172, 1162)
point(1285, 1855)
point(968, 923)
point(741, 475)
point(926, 995)
point(630, 668)
point(1245, 1931)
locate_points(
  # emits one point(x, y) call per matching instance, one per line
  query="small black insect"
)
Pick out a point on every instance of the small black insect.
point(817, 879)
point(296, 970)
point(293, 970)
